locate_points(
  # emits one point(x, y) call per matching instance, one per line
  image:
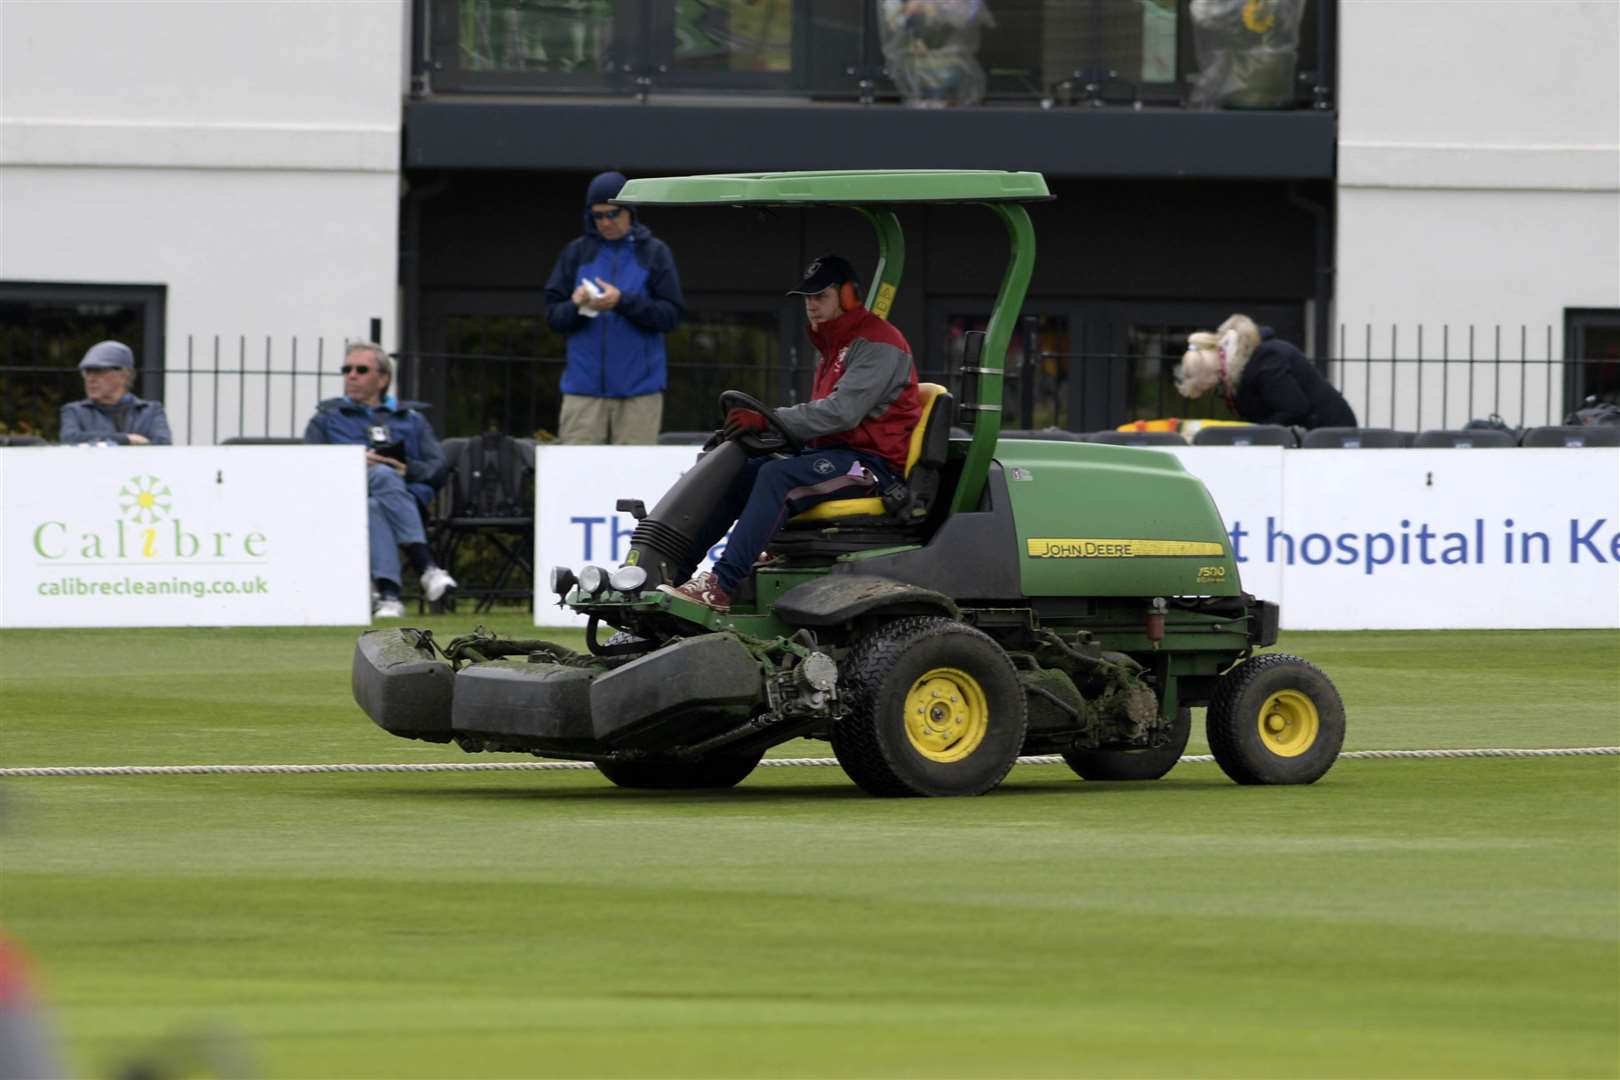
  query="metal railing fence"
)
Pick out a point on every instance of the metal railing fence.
point(229, 388)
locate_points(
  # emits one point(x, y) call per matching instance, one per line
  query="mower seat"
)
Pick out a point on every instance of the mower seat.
point(929, 442)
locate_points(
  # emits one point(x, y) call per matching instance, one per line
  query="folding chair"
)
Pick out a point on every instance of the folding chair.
point(488, 495)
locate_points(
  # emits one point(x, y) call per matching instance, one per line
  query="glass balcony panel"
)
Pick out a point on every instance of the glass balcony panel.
point(733, 36)
point(541, 36)
point(1062, 53)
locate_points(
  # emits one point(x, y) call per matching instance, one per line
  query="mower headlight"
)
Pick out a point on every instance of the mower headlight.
point(628, 579)
point(562, 580)
point(593, 579)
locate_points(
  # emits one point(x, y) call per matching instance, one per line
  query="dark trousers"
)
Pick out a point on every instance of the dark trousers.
point(768, 491)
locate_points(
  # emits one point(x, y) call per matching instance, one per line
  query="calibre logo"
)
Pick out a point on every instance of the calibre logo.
point(144, 499)
point(147, 528)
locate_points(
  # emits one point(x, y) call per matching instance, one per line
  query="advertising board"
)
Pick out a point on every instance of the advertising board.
point(1341, 539)
point(183, 536)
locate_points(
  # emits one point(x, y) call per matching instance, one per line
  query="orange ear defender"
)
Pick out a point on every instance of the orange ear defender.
point(848, 300)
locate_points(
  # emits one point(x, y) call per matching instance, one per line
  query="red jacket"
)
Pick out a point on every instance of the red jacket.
point(889, 435)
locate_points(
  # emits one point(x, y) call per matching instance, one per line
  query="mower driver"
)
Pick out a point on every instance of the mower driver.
point(856, 429)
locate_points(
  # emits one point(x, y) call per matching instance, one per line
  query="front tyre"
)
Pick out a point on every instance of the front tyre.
point(1148, 763)
point(1275, 719)
point(935, 708)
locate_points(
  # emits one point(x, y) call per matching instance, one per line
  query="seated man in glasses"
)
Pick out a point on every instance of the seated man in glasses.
point(403, 465)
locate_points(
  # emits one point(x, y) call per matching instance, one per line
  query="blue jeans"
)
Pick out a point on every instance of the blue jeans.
point(393, 519)
point(768, 491)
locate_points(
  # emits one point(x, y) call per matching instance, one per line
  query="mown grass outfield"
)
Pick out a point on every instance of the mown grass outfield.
point(1399, 918)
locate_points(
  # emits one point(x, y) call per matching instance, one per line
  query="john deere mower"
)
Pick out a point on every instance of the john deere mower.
point(1012, 597)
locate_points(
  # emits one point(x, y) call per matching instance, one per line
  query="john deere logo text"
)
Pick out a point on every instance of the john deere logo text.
point(1120, 548)
point(147, 527)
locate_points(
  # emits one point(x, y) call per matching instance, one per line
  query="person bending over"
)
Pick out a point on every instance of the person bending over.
point(403, 463)
point(1264, 379)
point(856, 428)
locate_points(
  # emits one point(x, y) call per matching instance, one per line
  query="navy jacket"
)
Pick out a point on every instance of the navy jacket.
point(1280, 386)
point(85, 421)
point(620, 353)
point(343, 421)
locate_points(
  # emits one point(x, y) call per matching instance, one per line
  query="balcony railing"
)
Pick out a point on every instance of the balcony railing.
point(1274, 54)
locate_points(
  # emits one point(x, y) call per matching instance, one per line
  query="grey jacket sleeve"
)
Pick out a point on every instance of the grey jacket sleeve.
point(73, 423)
point(154, 424)
point(873, 377)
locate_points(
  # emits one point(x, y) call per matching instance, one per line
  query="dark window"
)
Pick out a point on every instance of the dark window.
point(45, 329)
point(1033, 392)
point(502, 371)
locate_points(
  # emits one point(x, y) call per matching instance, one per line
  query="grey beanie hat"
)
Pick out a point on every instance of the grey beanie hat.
point(108, 354)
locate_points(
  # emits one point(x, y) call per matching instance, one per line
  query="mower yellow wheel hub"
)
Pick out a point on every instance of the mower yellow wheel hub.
point(946, 715)
point(1289, 723)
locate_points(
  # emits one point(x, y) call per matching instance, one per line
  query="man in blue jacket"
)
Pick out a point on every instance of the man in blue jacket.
point(403, 464)
point(109, 412)
point(615, 293)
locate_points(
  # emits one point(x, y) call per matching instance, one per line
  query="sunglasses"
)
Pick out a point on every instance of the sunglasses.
point(358, 369)
point(606, 215)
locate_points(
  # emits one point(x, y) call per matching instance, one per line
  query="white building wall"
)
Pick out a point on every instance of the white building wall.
point(1479, 187)
point(243, 154)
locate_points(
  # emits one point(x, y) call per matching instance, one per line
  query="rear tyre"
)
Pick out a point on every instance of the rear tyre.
point(1275, 719)
point(935, 709)
point(670, 774)
point(1148, 763)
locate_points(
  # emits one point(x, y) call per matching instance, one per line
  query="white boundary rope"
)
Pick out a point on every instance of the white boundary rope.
point(554, 766)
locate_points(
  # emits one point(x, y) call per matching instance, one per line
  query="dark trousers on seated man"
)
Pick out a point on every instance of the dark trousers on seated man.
point(768, 491)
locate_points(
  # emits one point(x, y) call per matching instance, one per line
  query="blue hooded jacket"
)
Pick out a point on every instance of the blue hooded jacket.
point(620, 353)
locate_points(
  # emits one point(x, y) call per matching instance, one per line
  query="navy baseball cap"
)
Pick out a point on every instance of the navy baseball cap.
point(107, 354)
point(825, 271)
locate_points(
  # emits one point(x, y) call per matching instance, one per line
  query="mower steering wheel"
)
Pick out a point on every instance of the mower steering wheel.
point(736, 399)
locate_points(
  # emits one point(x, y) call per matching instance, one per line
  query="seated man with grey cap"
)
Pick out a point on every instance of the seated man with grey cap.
point(109, 412)
point(856, 429)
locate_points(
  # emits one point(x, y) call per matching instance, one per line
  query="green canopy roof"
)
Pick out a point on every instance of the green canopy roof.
point(832, 188)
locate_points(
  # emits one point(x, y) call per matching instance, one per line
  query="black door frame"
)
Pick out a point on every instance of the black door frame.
point(1576, 375)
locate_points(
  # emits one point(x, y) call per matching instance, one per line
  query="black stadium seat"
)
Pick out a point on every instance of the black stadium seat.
point(684, 438)
point(22, 440)
point(489, 495)
point(1351, 438)
point(1573, 435)
point(261, 440)
point(1245, 435)
point(1465, 439)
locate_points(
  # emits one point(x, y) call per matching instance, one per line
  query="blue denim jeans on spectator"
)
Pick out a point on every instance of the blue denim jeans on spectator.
point(394, 518)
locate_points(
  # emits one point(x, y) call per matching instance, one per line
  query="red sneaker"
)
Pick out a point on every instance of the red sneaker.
point(702, 589)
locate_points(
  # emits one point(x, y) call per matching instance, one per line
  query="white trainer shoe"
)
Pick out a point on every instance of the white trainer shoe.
point(388, 609)
point(435, 583)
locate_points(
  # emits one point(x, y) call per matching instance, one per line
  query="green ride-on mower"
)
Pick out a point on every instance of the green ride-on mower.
point(1012, 597)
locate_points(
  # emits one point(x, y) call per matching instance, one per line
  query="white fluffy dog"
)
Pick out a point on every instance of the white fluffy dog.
point(1216, 359)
